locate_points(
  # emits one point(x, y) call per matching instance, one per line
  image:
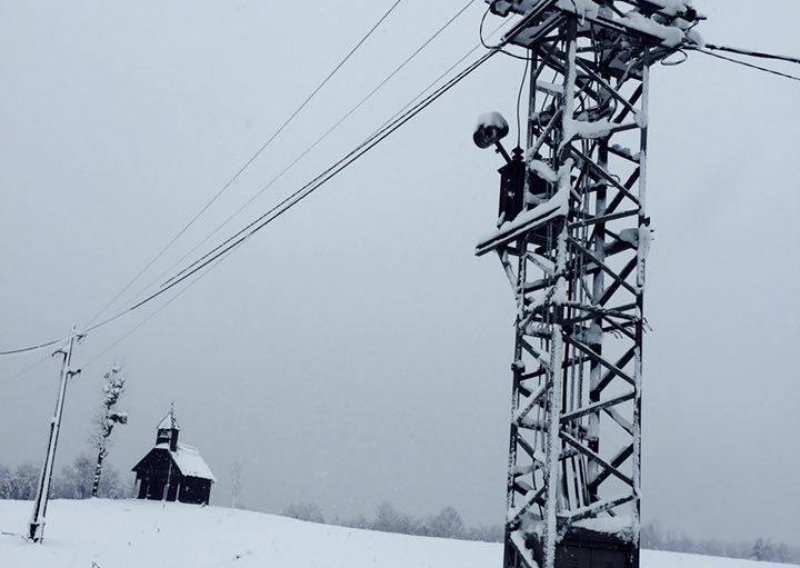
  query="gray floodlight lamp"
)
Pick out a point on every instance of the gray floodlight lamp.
point(491, 128)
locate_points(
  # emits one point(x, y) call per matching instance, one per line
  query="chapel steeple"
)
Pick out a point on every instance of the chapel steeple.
point(168, 430)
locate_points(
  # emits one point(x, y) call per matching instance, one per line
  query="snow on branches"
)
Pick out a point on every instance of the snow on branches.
point(109, 416)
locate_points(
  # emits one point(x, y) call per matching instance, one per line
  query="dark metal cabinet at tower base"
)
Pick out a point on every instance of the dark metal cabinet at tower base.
point(596, 551)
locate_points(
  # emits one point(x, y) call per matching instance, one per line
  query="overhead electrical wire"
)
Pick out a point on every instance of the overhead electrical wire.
point(287, 203)
point(30, 347)
point(746, 64)
point(26, 370)
point(221, 251)
point(248, 231)
point(146, 319)
point(250, 160)
point(441, 76)
point(342, 119)
point(332, 128)
point(369, 143)
point(253, 227)
point(219, 193)
point(352, 110)
point(195, 280)
point(29, 368)
point(26, 395)
point(708, 50)
point(237, 239)
point(519, 100)
point(751, 53)
point(499, 47)
point(244, 234)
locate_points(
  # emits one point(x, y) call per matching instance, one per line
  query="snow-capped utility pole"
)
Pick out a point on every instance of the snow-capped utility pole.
point(573, 236)
point(39, 516)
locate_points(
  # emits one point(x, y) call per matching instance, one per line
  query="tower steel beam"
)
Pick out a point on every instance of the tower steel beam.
point(575, 256)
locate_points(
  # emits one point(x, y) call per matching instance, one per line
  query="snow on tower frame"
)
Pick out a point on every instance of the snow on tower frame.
point(575, 258)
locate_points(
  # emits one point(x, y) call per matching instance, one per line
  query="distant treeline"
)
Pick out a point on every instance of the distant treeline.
point(448, 524)
point(654, 537)
point(73, 482)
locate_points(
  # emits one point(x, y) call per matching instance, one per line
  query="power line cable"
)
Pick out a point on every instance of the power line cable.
point(107, 348)
point(30, 348)
point(495, 48)
point(28, 394)
point(243, 235)
point(342, 119)
point(411, 102)
point(519, 100)
point(746, 64)
point(298, 195)
point(248, 231)
point(24, 371)
point(751, 53)
point(148, 318)
point(500, 46)
point(442, 75)
point(218, 194)
point(277, 208)
point(247, 163)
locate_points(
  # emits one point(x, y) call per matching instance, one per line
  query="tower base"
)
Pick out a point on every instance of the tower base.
point(583, 548)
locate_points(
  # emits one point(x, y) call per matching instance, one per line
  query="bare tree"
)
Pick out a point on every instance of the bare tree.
point(304, 512)
point(446, 524)
point(389, 519)
point(113, 386)
point(236, 485)
point(19, 484)
point(26, 478)
point(75, 481)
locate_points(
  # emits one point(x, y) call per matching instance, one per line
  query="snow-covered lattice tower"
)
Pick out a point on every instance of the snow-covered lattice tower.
point(573, 238)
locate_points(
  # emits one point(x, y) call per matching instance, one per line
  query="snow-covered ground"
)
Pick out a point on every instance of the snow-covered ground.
point(142, 534)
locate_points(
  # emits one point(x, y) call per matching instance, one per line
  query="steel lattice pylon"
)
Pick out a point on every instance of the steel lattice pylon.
point(574, 251)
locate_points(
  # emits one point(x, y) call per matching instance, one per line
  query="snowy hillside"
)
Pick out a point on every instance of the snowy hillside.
point(134, 534)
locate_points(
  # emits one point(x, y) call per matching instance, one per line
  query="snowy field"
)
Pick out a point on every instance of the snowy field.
point(144, 534)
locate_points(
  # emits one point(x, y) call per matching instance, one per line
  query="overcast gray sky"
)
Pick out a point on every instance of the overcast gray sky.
point(357, 351)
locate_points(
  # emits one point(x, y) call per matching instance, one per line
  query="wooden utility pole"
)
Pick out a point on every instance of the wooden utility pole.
point(38, 518)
